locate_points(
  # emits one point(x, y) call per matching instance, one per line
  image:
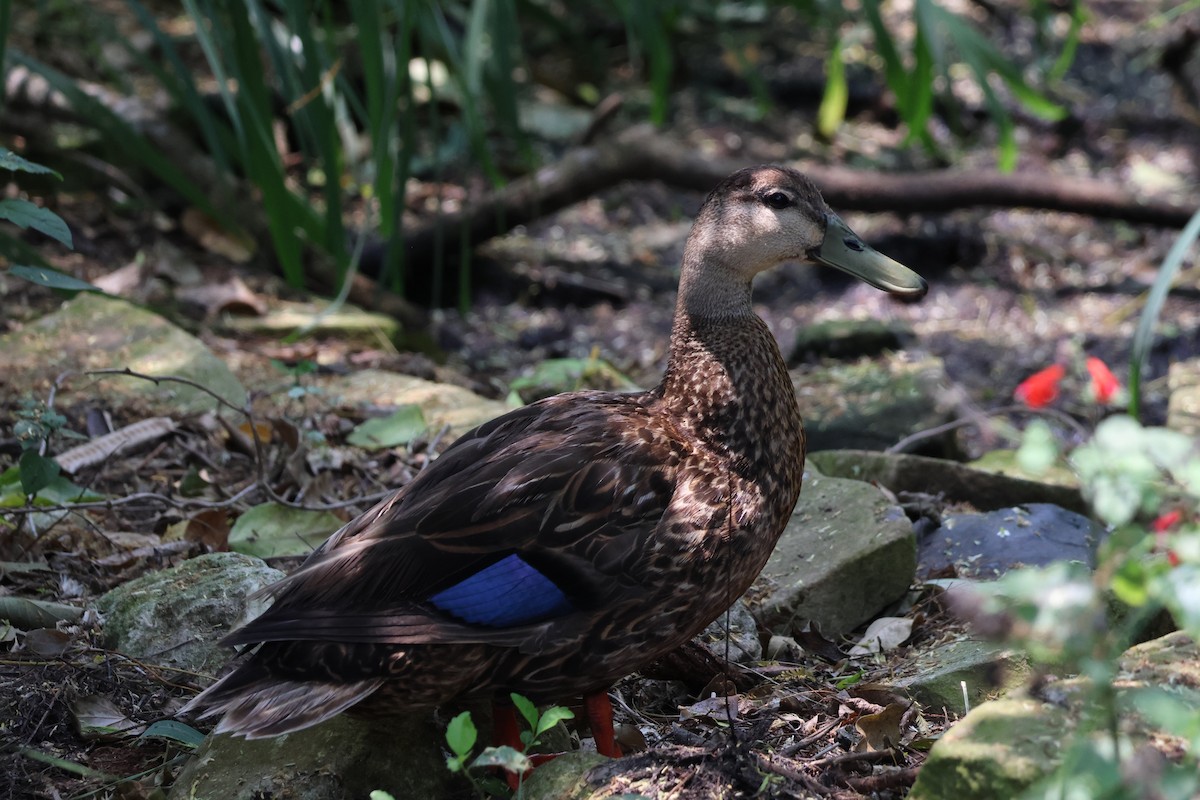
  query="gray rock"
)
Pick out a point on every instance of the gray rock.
point(847, 553)
point(564, 778)
point(871, 404)
point(1183, 404)
point(957, 483)
point(342, 759)
point(441, 403)
point(557, 375)
point(741, 631)
point(934, 676)
point(175, 617)
point(93, 331)
point(998, 750)
point(988, 545)
point(848, 338)
point(1004, 746)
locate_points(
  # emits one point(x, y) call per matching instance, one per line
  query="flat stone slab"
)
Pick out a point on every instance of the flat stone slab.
point(957, 482)
point(870, 404)
point(340, 759)
point(441, 403)
point(988, 545)
point(93, 331)
point(1183, 404)
point(847, 553)
point(935, 675)
point(1003, 747)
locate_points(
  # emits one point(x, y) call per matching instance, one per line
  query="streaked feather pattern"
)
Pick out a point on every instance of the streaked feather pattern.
point(563, 545)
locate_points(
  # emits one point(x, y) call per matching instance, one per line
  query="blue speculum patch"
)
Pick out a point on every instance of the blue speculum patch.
point(509, 592)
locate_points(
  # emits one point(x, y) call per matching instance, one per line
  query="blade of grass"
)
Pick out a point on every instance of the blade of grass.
point(179, 82)
point(394, 265)
point(832, 111)
point(320, 114)
point(382, 99)
point(1070, 46)
point(1143, 337)
point(66, 765)
point(121, 135)
point(5, 22)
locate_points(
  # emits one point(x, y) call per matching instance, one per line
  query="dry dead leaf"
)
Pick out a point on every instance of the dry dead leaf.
point(884, 634)
point(47, 642)
point(813, 641)
point(231, 297)
point(98, 717)
point(99, 449)
point(122, 282)
point(237, 246)
point(882, 731)
point(210, 528)
point(630, 737)
point(715, 707)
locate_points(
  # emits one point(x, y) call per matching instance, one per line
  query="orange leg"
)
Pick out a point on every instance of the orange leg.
point(506, 732)
point(600, 718)
point(504, 727)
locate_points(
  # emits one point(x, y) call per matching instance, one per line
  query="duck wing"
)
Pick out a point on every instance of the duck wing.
point(536, 516)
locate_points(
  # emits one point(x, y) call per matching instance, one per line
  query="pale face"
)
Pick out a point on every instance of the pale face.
point(760, 217)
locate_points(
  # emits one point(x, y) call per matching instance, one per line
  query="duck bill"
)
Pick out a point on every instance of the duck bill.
point(844, 250)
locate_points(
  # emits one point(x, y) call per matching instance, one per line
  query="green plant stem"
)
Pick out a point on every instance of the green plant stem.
point(1143, 337)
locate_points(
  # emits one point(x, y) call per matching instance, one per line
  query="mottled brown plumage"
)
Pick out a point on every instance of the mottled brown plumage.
point(628, 521)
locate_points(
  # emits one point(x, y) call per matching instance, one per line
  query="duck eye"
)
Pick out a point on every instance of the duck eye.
point(777, 200)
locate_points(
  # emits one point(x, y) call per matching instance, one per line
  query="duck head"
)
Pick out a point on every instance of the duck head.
point(762, 216)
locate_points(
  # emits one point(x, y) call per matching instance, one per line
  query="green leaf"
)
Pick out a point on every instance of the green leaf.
point(272, 529)
point(505, 757)
point(553, 716)
point(69, 766)
point(1038, 450)
point(10, 160)
point(398, 428)
point(527, 708)
point(1143, 337)
point(1130, 583)
point(1183, 597)
point(380, 794)
point(59, 491)
point(461, 734)
point(36, 471)
point(832, 111)
point(25, 214)
point(185, 735)
point(53, 279)
point(30, 614)
point(850, 680)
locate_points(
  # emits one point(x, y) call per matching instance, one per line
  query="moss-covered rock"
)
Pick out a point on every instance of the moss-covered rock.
point(94, 331)
point(176, 617)
point(846, 553)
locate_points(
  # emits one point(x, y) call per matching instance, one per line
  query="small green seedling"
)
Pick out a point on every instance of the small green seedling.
point(462, 735)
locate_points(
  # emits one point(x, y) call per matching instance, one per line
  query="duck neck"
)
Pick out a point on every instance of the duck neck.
point(729, 385)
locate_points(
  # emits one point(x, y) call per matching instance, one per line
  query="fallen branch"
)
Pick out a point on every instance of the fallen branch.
point(641, 153)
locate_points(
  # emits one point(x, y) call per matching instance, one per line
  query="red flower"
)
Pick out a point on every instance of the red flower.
point(1104, 383)
point(1162, 524)
point(1040, 388)
point(1166, 521)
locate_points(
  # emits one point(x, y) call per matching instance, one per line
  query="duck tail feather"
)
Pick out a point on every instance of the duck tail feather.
point(258, 706)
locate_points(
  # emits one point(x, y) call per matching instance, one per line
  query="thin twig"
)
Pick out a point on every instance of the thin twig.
point(821, 733)
point(904, 444)
point(157, 379)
